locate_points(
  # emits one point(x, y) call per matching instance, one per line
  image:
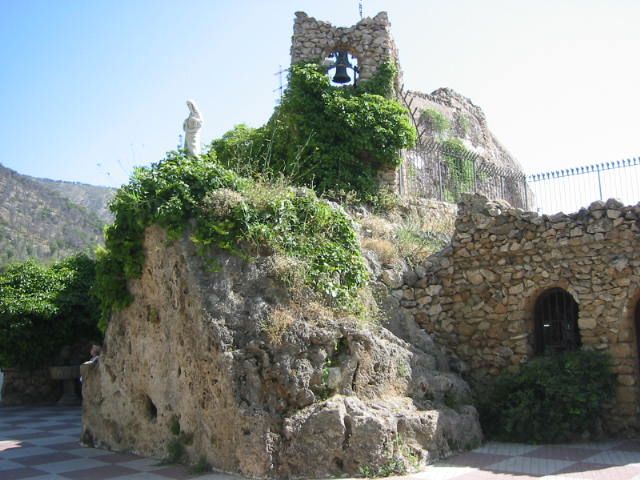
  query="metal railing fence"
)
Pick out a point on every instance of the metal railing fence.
point(434, 170)
point(570, 189)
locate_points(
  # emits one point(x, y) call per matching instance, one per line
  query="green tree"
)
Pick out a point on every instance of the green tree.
point(44, 308)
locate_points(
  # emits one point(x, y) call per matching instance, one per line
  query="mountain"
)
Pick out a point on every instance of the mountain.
point(93, 198)
point(47, 219)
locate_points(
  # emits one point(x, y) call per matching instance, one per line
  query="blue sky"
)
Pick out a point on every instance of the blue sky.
point(90, 89)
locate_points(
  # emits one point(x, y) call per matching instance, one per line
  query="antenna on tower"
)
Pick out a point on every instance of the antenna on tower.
point(281, 87)
point(360, 9)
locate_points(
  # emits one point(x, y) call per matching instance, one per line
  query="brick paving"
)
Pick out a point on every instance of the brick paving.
point(42, 443)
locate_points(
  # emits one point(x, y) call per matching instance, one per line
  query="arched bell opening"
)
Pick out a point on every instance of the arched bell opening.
point(342, 68)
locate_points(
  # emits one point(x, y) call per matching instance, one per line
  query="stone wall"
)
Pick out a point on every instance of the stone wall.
point(369, 41)
point(477, 296)
point(25, 387)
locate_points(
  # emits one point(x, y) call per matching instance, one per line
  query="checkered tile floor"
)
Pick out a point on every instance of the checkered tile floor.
point(42, 443)
point(613, 460)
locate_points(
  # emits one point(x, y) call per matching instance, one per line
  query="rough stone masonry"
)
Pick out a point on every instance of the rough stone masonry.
point(477, 296)
point(369, 40)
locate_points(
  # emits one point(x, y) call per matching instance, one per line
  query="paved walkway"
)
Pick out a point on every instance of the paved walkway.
point(42, 443)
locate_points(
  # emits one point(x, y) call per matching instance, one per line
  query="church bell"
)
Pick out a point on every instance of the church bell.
point(341, 65)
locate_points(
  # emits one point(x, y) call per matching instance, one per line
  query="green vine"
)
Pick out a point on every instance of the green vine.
point(383, 83)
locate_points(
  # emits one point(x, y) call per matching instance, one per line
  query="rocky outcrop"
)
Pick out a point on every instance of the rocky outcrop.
point(194, 361)
point(466, 121)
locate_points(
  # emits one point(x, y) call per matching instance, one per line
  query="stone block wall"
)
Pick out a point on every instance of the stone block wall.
point(477, 297)
point(29, 387)
point(369, 41)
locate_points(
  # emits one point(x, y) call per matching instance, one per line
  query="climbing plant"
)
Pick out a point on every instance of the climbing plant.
point(325, 137)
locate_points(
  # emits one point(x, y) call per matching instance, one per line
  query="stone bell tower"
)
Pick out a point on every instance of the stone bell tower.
point(369, 41)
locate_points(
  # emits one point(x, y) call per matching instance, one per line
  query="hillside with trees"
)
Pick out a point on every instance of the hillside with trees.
point(49, 220)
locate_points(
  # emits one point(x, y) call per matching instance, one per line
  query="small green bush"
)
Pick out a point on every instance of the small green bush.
point(45, 308)
point(203, 466)
point(436, 120)
point(551, 399)
point(176, 452)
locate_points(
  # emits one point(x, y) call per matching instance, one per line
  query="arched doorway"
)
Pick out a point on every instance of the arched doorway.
point(556, 322)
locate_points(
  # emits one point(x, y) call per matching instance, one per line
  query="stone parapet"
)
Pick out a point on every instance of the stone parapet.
point(29, 387)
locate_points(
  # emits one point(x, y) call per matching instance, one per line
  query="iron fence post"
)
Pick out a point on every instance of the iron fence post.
point(599, 181)
point(475, 176)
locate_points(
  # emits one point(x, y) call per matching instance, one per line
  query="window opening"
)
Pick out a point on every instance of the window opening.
point(556, 322)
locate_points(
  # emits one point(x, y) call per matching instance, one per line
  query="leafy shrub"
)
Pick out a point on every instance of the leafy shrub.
point(176, 452)
point(242, 149)
point(325, 137)
point(203, 466)
point(44, 308)
point(551, 398)
point(436, 120)
point(226, 211)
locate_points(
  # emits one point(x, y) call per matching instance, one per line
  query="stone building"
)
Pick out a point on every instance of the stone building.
point(370, 42)
point(514, 283)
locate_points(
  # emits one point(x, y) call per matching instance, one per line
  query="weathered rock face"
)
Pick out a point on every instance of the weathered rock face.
point(466, 122)
point(329, 398)
point(478, 296)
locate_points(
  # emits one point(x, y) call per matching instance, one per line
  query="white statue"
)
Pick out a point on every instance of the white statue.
point(191, 127)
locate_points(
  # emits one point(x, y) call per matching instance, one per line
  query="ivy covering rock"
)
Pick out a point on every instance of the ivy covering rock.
point(222, 210)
